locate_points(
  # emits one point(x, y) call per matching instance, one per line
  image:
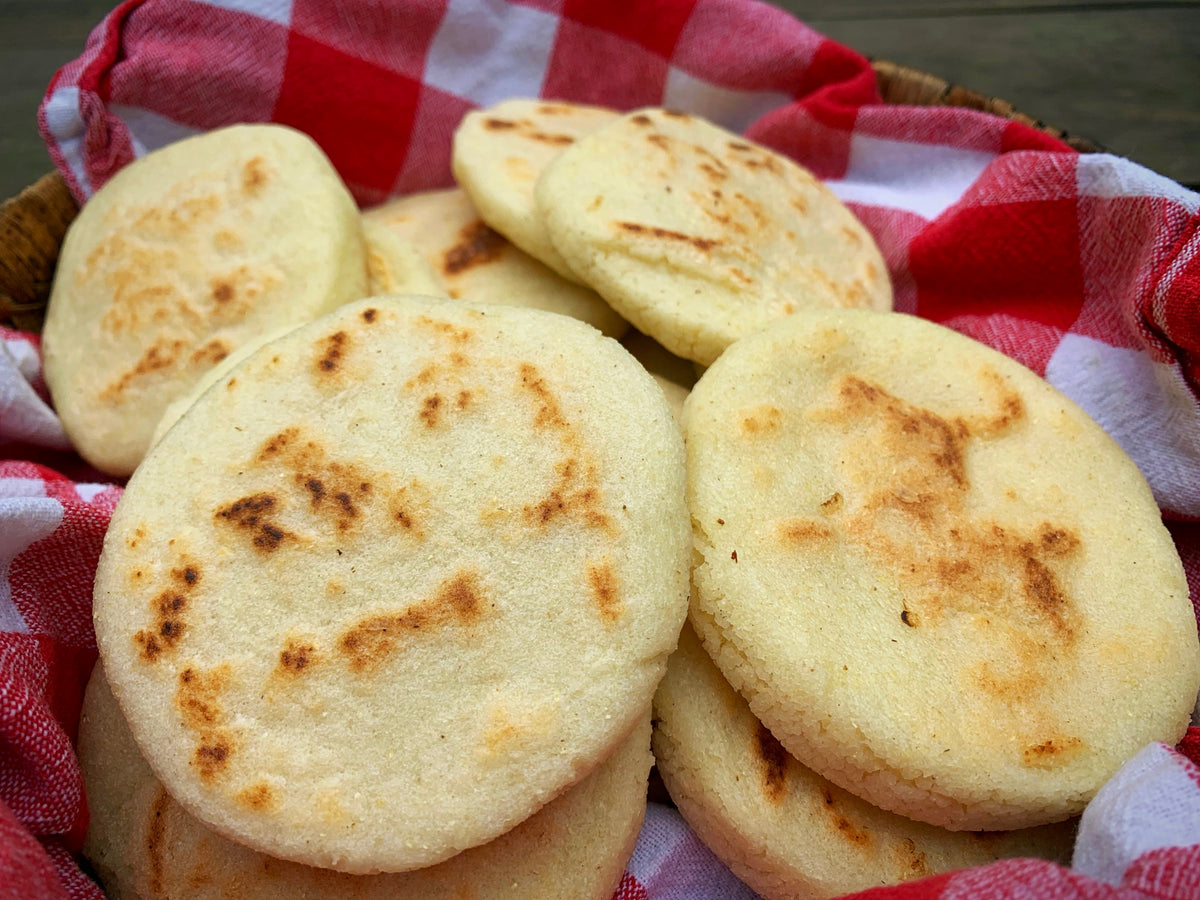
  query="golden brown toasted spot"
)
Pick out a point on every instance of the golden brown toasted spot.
point(832, 504)
point(1009, 407)
point(739, 146)
point(156, 839)
point(222, 291)
point(458, 601)
point(641, 119)
point(458, 334)
point(761, 420)
point(430, 412)
point(477, 245)
point(277, 443)
point(210, 353)
point(211, 757)
point(1051, 752)
point(463, 400)
point(700, 243)
point(911, 863)
point(529, 130)
point(162, 354)
point(369, 315)
point(297, 656)
point(909, 618)
point(859, 837)
point(548, 412)
point(800, 531)
point(606, 592)
point(136, 538)
point(254, 175)
point(740, 275)
point(798, 203)
point(773, 763)
point(259, 797)
point(676, 114)
point(198, 698)
point(334, 347)
point(252, 515)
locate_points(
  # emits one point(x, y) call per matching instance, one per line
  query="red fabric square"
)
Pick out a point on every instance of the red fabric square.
point(654, 25)
point(1016, 259)
point(164, 45)
point(633, 76)
point(1116, 270)
point(724, 42)
point(794, 131)
point(338, 99)
point(394, 36)
point(427, 165)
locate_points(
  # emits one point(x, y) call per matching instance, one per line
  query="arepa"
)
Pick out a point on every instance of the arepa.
point(936, 581)
point(143, 844)
point(471, 261)
point(498, 155)
point(698, 236)
point(784, 830)
point(397, 580)
point(178, 259)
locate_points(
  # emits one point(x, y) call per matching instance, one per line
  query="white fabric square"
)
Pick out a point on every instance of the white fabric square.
point(26, 516)
point(272, 10)
point(150, 131)
point(488, 50)
point(66, 126)
point(1104, 175)
point(1144, 405)
point(919, 178)
point(730, 108)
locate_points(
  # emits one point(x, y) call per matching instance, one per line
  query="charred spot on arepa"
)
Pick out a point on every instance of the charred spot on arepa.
point(297, 656)
point(476, 245)
point(210, 352)
point(703, 244)
point(255, 175)
point(459, 601)
point(773, 761)
point(330, 351)
point(168, 610)
point(252, 515)
point(527, 129)
point(764, 419)
point(852, 833)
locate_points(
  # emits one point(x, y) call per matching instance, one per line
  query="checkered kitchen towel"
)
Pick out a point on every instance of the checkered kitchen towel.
point(1085, 268)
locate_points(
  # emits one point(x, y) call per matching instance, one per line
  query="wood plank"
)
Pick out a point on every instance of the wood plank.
point(1124, 77)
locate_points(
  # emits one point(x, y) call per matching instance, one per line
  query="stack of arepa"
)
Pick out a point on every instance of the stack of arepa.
point(386, 602)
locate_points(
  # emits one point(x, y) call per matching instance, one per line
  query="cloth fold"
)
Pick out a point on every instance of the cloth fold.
point(1084, 268)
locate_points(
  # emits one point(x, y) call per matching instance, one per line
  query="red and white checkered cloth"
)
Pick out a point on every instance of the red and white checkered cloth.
point(1085, 268)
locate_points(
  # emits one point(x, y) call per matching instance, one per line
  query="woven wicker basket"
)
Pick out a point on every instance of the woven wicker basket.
point(33, 223)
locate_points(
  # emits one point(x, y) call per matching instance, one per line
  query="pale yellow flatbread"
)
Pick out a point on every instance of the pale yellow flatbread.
point(143, 844)
point(937, 581)
point(176, 261)
point(470, 261)
point(498, 154)
point(780, 827)
point(698, 236)
point(397, 580)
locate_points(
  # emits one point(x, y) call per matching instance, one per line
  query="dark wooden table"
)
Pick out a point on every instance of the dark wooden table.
point(1124, 73)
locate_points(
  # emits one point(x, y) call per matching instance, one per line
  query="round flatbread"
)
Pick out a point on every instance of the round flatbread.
point(498, 154)
point(936, 580)
point(780, 827)
point(176, 261)
point(395, 265)
point(698, 236)
point(143, 844)
point(473, 262)
point(397, 580)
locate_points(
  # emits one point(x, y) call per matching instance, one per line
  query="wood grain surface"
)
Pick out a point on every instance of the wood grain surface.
point(1125, 74)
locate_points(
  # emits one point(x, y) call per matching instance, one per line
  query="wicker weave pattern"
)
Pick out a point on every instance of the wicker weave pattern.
point(33, 223)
